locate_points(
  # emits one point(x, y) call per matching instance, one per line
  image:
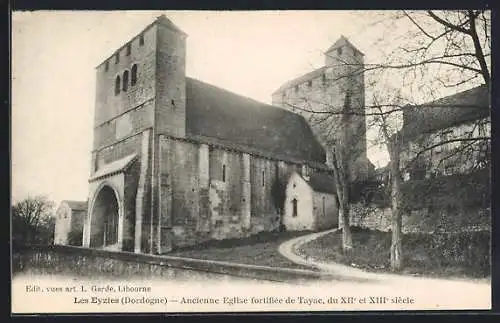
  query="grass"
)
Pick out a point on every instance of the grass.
point(260, 249)
point(464, 255)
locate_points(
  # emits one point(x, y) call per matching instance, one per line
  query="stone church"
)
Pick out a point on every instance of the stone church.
point(177, 162)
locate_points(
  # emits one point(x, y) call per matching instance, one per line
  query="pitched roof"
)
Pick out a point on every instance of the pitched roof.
point(169, 24)
point(76, 205)
point(228, 117)
point(321, 182)
point(440, 114)
point(343, 41)
point(114, 167)
point(301, 79)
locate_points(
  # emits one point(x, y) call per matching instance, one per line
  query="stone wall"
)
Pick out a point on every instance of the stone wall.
point(62, 225)
point(108, 105)
point(129, 212)
point(329, 90)
point(209, 193)
point(102, 264)
point(298, 191)
point(170, 82)
point(179, 193)
point(263, 174)
point(424, 220)
point(325, 211)
point(77, 222)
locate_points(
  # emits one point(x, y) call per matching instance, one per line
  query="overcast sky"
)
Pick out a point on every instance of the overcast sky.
point(53, 85)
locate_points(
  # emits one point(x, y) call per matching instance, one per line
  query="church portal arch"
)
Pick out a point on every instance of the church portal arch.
point(105, 218)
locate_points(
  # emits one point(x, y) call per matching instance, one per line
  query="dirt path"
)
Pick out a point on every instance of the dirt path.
point(289, 250)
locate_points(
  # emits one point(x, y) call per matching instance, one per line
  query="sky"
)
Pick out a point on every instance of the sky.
point(53, 78)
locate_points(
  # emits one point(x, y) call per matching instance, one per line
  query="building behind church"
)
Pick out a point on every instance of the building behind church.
point(177, 162)
point(69, 219)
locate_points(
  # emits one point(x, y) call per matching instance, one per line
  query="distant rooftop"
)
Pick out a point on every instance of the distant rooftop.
point(469, 105)
point(343, 41)
point(76, 205)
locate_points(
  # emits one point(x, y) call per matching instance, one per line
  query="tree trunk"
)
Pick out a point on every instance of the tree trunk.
point(343, 196)
point(396, 228)
point(396, 222)
point(346, 228)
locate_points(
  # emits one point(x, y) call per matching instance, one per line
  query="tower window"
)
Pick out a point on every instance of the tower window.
point(141, 40)
point(117, 85)
point(125, 81)
point(294, 208)
point(309, 83)
point(323, 78)
point(324, 206)
point(263, 178)
point(129, 49)
point(106, 66)
point(223, 173)
point(339, 51)
point(117, 58)
point(133, 78)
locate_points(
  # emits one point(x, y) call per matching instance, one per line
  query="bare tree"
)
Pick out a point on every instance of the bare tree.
point(427, 54)
point(444, 50)
point(32, 220)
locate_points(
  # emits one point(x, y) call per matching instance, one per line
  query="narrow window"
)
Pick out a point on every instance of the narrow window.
point(106, 66)
point(223, 173)
point(324, 206)
point(133, 78)
point(129, 49)
point(323, 78)
point(482, 130)
point(125, 81)
point(141, 40)
point(117, 58)
point(309, 83)
point(339, 51)
point(263, 178)
point(294, 208)
point(117, 85)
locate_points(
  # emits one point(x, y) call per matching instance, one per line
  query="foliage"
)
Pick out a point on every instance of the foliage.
point(458, 190)
point(33, 221)
point(438, 254)
point(75, 238)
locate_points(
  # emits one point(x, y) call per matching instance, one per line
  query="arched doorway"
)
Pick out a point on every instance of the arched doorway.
point(104, 219)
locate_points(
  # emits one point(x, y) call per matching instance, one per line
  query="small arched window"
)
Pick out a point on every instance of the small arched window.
point(125, 81)
point(133, 77)
point(117, 85)
point(223, 173)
